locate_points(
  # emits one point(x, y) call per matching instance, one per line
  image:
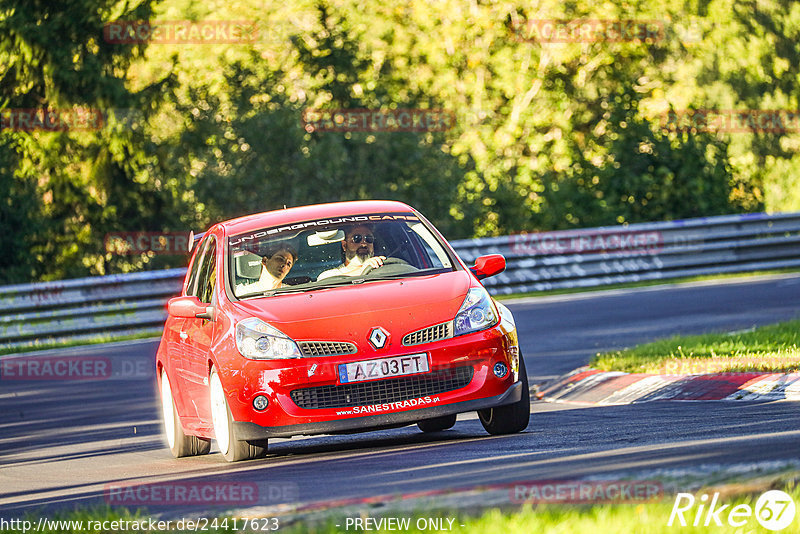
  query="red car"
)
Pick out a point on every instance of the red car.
point(342, 317)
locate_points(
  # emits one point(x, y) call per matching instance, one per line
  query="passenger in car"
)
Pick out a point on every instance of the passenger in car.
point(358, 253)
point(274, 268)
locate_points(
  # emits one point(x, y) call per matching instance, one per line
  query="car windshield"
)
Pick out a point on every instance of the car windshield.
point(311, 255)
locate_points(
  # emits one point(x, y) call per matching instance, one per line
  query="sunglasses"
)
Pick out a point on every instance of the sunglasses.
point(356, 238)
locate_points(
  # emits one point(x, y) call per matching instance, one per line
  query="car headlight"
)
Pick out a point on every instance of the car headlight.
point(476, 313)
point(257, 340)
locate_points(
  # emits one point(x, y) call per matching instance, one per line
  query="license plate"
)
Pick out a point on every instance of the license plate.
point(410, 364)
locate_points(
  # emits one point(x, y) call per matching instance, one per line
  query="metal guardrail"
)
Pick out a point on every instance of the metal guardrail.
point(640, 252)
point(86, 309)
point(90, 308)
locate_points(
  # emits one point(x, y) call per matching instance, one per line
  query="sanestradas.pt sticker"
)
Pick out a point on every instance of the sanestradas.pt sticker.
point(390, 406)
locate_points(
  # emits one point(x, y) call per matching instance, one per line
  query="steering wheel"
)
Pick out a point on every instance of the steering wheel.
point(386, 262)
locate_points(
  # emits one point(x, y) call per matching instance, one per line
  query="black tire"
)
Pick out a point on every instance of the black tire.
point(232, 448)
point(510, 418)
point(180, 445)
point(438, 423)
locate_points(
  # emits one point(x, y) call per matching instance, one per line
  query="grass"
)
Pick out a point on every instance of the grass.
point(647, 283)
point(617, 519)
point(649, 517)
point(768, 348)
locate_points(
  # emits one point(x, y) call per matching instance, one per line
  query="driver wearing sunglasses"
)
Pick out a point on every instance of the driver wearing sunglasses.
point(358, 253)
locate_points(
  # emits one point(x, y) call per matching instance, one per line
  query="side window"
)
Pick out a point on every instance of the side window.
point(194, 268)
point(208, 273)
point(437, 257)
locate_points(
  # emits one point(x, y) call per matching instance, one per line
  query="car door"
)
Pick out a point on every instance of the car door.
point(197, 335)
point(177, 343)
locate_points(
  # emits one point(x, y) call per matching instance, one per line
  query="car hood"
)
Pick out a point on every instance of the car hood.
point(349, 313)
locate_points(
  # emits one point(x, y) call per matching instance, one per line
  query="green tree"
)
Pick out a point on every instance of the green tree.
point(547, 135)
point(249, 150)
point(71, 187)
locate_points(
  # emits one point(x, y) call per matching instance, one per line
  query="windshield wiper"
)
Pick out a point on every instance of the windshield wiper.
point(397, 276)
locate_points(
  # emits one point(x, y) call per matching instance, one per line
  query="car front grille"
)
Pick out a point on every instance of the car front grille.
point(432, 333)
point(326, 348)
point(383, 391)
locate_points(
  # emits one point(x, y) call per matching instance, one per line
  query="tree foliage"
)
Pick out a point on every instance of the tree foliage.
point(548, 135)
point(68, 188)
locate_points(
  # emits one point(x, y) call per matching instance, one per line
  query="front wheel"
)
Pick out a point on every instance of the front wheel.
point(231, 447)
point(510, 418)
point(180, 444)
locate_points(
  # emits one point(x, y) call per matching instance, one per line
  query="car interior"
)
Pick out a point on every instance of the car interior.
point(319, 250)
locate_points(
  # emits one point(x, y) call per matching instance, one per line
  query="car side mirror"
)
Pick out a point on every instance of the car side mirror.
point(189, 308)
point(489, 265)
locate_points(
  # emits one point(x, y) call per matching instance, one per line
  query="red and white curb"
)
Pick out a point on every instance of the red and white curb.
point(591, 386)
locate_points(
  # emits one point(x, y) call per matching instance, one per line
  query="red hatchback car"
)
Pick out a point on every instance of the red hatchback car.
point(343, 317)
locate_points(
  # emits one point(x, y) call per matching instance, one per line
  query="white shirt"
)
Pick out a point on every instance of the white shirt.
point(344, 270)
point(265, 282)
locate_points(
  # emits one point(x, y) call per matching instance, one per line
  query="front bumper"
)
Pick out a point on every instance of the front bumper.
point(384, 403)
point(251, 431)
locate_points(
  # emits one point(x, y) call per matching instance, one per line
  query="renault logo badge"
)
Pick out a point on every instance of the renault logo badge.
point(378, 337)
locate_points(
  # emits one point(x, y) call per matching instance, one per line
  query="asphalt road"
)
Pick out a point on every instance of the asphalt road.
point(66, 442)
